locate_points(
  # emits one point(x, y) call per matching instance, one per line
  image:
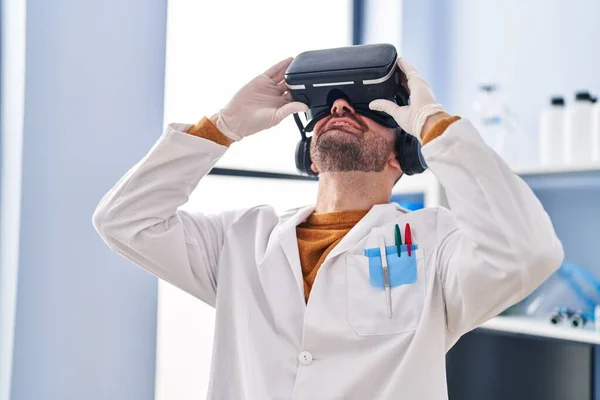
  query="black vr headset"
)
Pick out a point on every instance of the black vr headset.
point(359, 74)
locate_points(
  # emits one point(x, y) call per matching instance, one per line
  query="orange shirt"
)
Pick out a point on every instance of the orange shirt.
point(317, 236)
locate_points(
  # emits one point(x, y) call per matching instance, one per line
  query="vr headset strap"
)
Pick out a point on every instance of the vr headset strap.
point(300, 126)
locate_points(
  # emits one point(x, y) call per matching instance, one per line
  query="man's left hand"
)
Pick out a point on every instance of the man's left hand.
point(423, 110)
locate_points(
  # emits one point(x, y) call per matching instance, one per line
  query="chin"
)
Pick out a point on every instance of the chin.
point(339, 133)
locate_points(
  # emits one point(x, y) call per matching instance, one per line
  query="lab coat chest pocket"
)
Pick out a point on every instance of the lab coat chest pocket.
point(367, 303)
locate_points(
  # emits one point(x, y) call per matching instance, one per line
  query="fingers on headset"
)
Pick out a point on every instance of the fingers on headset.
point(291, 108)
point(406, 67)
point(401, 115)
point(277, 71)
point(282, 87)
point(383, 105)
point(412, 77)
point(404, 82)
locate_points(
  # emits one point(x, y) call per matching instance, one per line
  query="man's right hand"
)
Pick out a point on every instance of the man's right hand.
point(260, 104)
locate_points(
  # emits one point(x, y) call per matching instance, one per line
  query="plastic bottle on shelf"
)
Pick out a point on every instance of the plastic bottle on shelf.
point(596, 131)
point(551, 130)
point(498, 126)
point(578, 130)
point(490, 117)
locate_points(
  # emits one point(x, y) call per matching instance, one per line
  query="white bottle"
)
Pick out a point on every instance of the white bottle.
point(551, 132)
point(578, 130)
point(596, 132)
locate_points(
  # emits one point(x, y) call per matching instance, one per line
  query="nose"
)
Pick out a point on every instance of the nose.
point(341, 106)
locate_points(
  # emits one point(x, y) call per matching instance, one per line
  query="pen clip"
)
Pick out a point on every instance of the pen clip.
point(384, 263)
point(386, 274)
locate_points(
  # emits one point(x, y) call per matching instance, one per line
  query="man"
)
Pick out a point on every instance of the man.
point(297, 316)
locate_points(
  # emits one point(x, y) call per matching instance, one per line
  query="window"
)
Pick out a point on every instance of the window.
point(214, 48)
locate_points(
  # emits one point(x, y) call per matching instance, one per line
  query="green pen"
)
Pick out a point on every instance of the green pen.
point(398, 239)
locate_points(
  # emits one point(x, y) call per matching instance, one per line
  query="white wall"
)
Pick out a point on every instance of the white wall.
point(85, 325)
point(534, 49)
point(12, 102)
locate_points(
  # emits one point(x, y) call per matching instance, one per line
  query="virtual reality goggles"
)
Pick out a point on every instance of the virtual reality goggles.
point(359, 74)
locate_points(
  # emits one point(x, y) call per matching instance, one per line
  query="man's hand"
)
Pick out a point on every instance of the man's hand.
point(412, 118)
point(261, 104)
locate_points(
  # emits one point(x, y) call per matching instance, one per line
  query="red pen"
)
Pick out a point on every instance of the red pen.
point(407, 238)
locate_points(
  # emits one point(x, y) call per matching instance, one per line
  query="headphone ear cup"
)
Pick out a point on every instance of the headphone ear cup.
point(408, 153)
point(303, 161)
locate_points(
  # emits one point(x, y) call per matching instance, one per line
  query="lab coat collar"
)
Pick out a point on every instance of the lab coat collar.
point(377, 216)
point(289, 242)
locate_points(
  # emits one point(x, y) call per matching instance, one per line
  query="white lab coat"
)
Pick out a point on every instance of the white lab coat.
point(494, 247)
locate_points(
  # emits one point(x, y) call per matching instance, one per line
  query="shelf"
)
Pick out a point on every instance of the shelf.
point(537, 328)
point(584, 176)
point(558, 169)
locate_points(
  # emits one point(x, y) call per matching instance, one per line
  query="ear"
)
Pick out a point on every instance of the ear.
point(394, 163)
point(314, 169)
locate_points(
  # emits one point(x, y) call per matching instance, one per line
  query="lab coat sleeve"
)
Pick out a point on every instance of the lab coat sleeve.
point(498, 243)
point(140, 219)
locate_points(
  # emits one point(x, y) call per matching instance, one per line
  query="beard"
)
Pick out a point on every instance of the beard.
point(339, 150)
